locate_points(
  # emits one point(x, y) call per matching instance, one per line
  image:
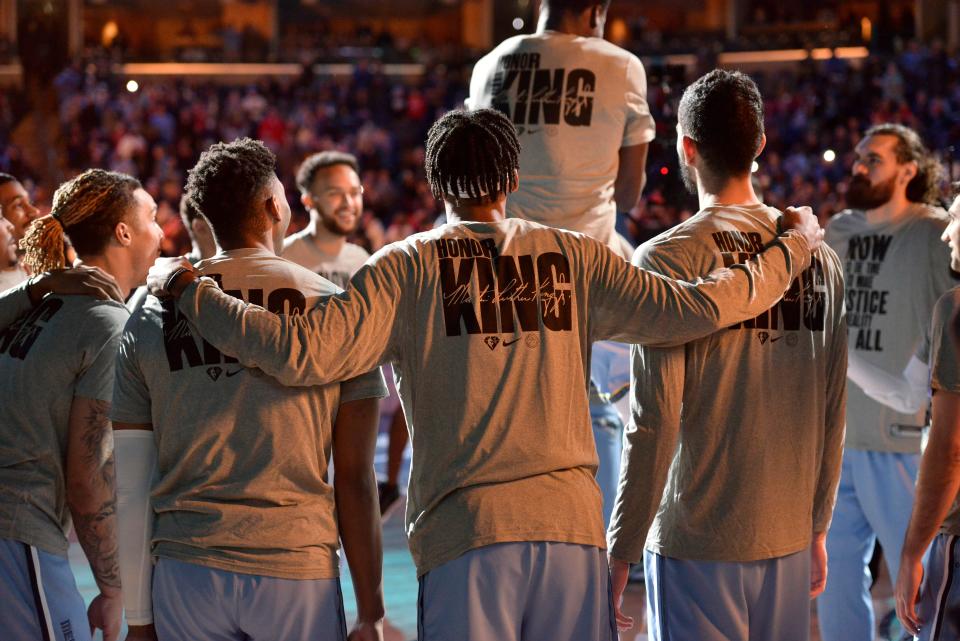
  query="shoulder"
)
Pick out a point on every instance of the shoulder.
point(97, 321)
point(670, 248)
point(294, 239)
point(931, 220)
point(356, 252)
point(947, 307)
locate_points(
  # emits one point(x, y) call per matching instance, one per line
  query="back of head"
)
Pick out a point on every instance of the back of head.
point(722, 112)
point(318, 162)
point(572, 6)
point(226, 184)
point(87, 208)
point(472, 157)
point(7, 178)
point(925, 186)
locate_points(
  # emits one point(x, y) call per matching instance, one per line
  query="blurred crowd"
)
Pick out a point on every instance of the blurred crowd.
point(815, 115)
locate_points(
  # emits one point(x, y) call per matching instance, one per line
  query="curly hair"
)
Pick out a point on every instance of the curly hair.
point(925, 186)
point(472, 156)
point(225, 183)
point(723, 113)
point(87, 209)
point(313, 164)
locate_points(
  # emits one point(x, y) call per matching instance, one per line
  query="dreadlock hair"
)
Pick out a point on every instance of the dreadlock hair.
point(925, 186)
point(227, 182)
point(472, 157)
point(87, 209)
point(313, 164)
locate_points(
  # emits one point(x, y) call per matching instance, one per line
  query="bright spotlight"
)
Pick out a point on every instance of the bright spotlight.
point(755, 167)
point(133, 86)
point(829, 155)
point(517, 24)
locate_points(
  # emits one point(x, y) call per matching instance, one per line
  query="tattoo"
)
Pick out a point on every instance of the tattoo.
point(95, 515)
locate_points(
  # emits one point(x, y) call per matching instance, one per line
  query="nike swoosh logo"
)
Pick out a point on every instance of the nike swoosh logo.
point(772, 340)
point(509, 343)
point(229, 374)
point(533, 131)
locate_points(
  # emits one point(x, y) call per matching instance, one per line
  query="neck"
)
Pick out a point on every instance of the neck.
point(326, 240)
point(116, 266)
point(562, 22)
point(894, 210)
point(264, 241)
point(489, 213)
point(737, 191)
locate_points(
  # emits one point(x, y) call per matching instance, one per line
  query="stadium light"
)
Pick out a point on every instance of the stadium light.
point(755, 167)
point(132, 86)
point(517, 24)
point(829, 155)
point(664, 171)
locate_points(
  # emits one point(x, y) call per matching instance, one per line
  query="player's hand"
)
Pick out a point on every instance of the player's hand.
point(906, 592)
point(142, 633)
point(619, 575)
point(161, 272)
point(818, 565)
point(106, 613)
point(367, 631)
point(803, 220)
point(91, 281)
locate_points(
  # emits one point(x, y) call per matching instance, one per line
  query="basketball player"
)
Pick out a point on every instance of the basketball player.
point(579, 105)
point(247, 527)
point(56, 451)
point(749, 482)
point(494, 317)
point(17, 210)
point(10, 271)
point(330, 189)
point(895, 270)
point(931, 613)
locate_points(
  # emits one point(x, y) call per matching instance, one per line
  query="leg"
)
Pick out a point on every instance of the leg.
point(479, 596)
point(695, 600)
point(569, 596)
point(886, 488)
point(39, 595)
point(780, 603)
point(845, 610)
point(291, 610)
point(194, 603)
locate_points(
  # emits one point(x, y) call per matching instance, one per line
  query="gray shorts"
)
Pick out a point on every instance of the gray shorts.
point(38, 596)
point(528, 591)
point(939, 607)
point(196, 603)
point(728, 601)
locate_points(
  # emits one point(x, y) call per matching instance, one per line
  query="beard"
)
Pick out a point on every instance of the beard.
point(862, 195)
point(689, 180)
point(332, 225)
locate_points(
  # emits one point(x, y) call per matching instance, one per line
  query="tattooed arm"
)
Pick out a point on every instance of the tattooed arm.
point(92, 499)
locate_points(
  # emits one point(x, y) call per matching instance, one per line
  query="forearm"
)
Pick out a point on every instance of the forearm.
point(906, 392)
point(136, 456)
point(358, 516)
point(939, 479)
point(331, 342)
point(91, 490)
point(661, 312)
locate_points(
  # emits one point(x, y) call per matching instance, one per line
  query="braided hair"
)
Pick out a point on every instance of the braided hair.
point(87, 209)
point(472, 157)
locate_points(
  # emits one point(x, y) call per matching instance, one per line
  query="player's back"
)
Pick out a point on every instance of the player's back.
point(64, 347)
point(756, 400)
point(575, 102)
point(243, 459)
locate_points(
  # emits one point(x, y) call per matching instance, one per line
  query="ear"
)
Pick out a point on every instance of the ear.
point(123, 234)
point(516, 181)
point(307, 201)
point(689, 150)
point(595, 12)
point(909, 171)
point(199, 227)
point(272, 208)
point(763, 144)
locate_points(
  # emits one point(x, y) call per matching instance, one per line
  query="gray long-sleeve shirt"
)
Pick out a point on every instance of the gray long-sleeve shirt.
point(757, 410)
point(489, 326)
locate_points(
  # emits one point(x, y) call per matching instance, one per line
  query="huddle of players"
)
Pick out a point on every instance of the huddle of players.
point(221, 475)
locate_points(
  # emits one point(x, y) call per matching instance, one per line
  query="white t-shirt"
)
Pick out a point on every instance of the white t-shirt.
point(337, 268)
point(575, 102)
